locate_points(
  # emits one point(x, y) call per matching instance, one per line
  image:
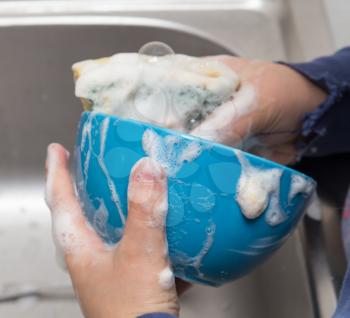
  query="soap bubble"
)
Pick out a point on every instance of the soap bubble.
point(156, 48)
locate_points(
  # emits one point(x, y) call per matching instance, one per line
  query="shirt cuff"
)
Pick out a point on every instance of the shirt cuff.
point(313, 127)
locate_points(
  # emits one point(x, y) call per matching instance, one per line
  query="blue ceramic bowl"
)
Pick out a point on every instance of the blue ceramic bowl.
point(210, 240)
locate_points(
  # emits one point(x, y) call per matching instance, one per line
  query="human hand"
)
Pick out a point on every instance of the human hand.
point(266, 112)
point(127, 280)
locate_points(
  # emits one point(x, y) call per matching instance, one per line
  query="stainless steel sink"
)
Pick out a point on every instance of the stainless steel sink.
point(40, 40)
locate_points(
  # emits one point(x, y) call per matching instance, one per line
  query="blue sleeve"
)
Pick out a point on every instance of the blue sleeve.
point(343, 308)
point(327, 130)
point(157, 315)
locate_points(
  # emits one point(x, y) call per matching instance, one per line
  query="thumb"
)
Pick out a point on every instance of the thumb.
point(72, 235)
point(147, 209)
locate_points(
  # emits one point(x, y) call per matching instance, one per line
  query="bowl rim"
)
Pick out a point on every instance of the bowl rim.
point(210, 143)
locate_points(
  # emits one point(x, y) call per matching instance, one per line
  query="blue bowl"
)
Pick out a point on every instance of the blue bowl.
point(210, 240)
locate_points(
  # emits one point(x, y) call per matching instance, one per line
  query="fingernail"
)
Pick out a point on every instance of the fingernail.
point(146, 182)
point(52, 150)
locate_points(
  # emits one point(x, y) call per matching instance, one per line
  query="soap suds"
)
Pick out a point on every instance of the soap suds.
point(87, 138)
point(202, 198)
point(274, 214)
point(86, 132)
point(153, 146)
point(313, 209)
point(103, 136)
point(299, 184)
point(243, 101)
point(65, 233)
point(259, 190)
point(268, 242)
point(191, 152)
point(100, 158)
point(100, 220)
point(220, 125)
point(197, 260)
point(176, 206)
point(261, 245)
point(170, 153)
point(160, 211)
point(166, 278)
point(247, 252)
point(174, 91)
point(255, 187)
point(182, 261)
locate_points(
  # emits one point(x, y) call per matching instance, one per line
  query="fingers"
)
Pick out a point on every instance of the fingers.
point(238, 118)
point(147, 208)
point(232, 122)
point(70, 230)
point(237, 64)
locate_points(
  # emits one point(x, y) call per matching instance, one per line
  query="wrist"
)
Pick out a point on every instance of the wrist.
point(308, 95)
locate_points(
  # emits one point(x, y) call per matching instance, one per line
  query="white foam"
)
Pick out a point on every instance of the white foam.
point(197, 260)
point(255, 187)
point(244, 101)
point(158, 217)
point(299, 184)
point(183, 261)
point(70, 240)
point(202, 198)
point(152, 145)
point(103, 136)
point(114, 194)
point(65, 232)
point(174, 91)
point(87, 138)
point(274, 214)
point(267, 242)
point(100, 220)
point(261, 244)
point(166, 278)
point(160, 211)
point(164, 151)
point(86, 132)
point(314, 210)
point(220, 125)
point(191, 152)
point(247, 252)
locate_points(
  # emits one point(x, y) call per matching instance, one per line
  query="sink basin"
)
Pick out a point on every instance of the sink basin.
point(40, 40)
